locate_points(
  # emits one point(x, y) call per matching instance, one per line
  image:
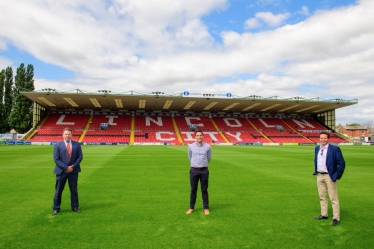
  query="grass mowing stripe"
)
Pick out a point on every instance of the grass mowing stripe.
point(134, 196)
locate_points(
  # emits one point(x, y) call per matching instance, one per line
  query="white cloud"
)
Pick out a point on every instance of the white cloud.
point(266, 18)
point(268, 2)
point(194, 34)
point(251, 23)
point(304, 11)
point(270, 19)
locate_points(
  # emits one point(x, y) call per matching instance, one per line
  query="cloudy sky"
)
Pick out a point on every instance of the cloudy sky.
point(286, 48)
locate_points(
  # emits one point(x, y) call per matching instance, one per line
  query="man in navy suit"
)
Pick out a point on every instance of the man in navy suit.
point(329, 166)
point(67, 155)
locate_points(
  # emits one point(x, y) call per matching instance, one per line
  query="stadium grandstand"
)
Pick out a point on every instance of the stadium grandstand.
point(132, 118)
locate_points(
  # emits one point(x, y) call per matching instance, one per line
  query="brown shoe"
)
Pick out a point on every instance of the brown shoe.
point(206, 211)
point(189, 211)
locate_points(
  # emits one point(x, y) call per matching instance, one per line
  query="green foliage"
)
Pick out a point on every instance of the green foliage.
point(2, 82)
point(21, 115)
point(7, 100)
point(137, 196)
point(354, 124)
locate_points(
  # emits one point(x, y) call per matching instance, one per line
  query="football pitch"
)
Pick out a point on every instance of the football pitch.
point(137, 196)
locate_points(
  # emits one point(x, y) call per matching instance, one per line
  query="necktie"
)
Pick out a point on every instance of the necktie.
point(68, 149)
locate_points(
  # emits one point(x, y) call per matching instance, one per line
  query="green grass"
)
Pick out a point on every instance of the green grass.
point(137, 196)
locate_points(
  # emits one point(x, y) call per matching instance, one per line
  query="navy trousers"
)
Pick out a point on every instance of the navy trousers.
point(72, 179)
point(197, 175)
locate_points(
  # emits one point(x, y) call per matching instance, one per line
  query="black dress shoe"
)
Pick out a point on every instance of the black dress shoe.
point(335, 222)
point(76, 210)
point(55, 212)
point(321, 217)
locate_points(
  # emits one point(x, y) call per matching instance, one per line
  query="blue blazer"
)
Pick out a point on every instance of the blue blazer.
point(334, 162)
point(60, 156)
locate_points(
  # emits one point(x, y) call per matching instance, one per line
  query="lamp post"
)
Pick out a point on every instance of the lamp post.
point(254, 97)
point(298, 98)
point(48, 90)
point(157, 93)
point(105, 92)
point(338, 100)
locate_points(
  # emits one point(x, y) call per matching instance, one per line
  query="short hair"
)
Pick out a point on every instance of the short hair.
point(67, 129)
point(196, 131)
point(325, 133)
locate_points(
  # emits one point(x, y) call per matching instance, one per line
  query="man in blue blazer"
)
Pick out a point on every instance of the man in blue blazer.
point(67, 155)
point(329, 166)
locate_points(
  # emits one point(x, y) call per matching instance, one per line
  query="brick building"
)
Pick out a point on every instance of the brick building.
point(356, 133)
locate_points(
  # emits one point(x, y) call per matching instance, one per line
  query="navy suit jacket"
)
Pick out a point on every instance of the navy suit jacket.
point(334, 162)
point(60, 156)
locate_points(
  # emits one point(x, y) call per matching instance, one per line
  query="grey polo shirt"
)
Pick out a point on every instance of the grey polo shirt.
point(199, 156)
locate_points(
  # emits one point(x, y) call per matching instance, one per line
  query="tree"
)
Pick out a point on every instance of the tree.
point(368, 125)
point(353, 124)
point(7, 100)
point(21, 115)
point(2, 82)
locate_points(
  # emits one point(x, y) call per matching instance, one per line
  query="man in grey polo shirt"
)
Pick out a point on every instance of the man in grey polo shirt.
point(199, 154)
